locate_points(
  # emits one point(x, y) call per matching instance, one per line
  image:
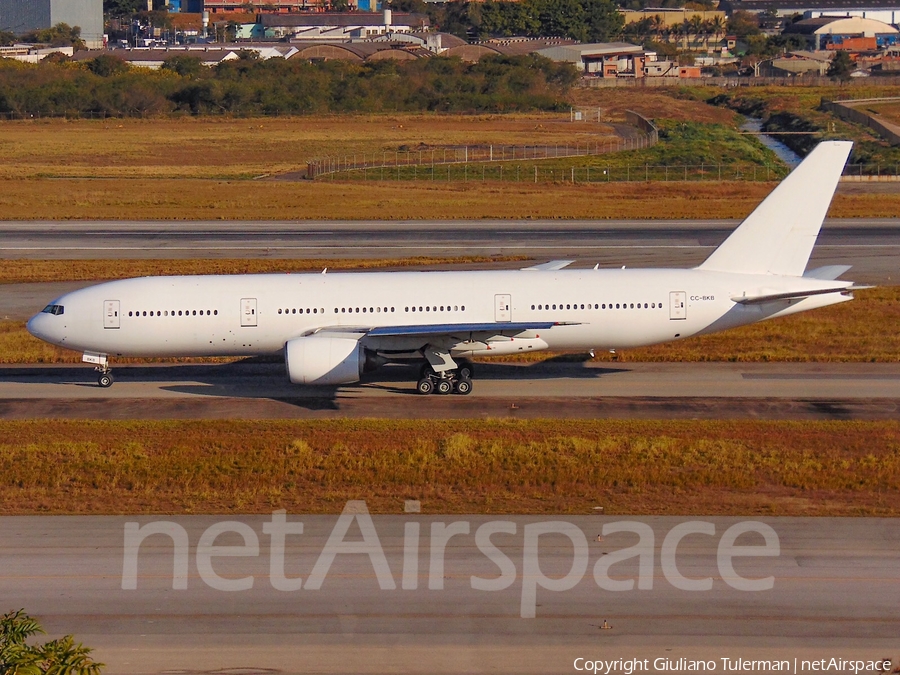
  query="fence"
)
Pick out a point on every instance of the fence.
point(532, 173)
point(734, 81)
point(646, 135)
point(846, 110)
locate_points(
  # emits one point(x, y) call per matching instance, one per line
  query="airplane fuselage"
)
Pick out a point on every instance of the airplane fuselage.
point(257, 314)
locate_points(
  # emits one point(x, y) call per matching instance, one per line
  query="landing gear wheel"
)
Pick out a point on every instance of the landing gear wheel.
point(425, 371)
point(464, 386)
point(466, 370)
point(425, 386)
point(444, 387)
point(105, 380)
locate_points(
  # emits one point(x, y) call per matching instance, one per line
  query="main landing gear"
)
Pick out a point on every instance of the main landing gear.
point(457, 380)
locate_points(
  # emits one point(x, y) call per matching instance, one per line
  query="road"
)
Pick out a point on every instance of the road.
point(834, 587)
point(871, 245)
point(548, 389)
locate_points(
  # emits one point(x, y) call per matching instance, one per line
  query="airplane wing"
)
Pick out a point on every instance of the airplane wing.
point(551, 266)
point(450, 329)
point(458, 328)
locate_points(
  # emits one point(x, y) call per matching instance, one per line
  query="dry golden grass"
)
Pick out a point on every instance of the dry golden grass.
point(864, 330)
point(489, 466)
point(890, 112)
point(654, 103)
point(30, 271)
point(162, 199)
point(245, 148)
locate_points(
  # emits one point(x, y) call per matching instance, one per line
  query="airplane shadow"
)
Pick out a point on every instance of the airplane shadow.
point(251, 379)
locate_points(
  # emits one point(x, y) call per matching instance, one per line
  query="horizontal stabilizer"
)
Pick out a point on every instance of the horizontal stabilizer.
point(791, 295)
point(551, 266)
point(778, 237)
point(827, 273)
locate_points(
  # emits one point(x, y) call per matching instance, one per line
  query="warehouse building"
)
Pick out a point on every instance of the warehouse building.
point(23, 16)
point(853, 33)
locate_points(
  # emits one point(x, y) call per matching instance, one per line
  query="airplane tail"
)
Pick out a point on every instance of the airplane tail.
point(778, 237)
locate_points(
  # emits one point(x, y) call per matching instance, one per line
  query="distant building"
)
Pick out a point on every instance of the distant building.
point(797, 63)
point(209, 55)
point(829, 32)
point(887, 11)
point(339, 26)
point(23, 16)
point(671, 17)
point(275, 6)
point(32, 53)
point(605, 59)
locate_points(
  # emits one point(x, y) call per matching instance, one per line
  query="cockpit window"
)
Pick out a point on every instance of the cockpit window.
point(54, 309)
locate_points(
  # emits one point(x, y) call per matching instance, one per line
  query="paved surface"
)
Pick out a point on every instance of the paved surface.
point(871, 245)
point(549, 389)
point(835, 584)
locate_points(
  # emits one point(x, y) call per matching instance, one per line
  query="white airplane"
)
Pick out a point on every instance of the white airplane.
point(332, 328)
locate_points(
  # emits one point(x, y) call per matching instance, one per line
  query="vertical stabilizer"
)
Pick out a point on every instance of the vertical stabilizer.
point(778, 237)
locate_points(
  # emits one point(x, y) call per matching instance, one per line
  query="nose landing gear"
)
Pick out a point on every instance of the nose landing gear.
point(101, 365)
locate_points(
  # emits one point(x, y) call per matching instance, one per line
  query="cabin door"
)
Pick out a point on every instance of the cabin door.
point(111, 314)
point(677, 305)
point(502, 308)
point(248, 312)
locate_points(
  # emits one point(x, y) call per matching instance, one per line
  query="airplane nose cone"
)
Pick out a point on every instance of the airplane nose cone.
point(37, 326)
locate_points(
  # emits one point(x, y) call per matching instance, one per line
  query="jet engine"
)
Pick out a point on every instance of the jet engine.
point(328, 360)
point(324, 360)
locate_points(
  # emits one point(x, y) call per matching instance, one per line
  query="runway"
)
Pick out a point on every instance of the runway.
point(549, 389)
point(828, 590)
point(871, 245)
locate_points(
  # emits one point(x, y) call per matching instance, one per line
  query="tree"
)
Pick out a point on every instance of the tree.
point(840, 67)
point(60, 35)
point(603, 20)
point(184, 65)
point(7, 38)
point(123, 7)
point(743, 23)
point(54, 657)
point(717, 26)
point(107, 65)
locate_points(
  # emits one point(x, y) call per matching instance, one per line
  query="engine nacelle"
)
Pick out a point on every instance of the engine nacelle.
point(324, 360)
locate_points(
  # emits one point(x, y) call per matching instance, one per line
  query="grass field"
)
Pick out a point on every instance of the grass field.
point(32, 271)
point(162, 199)
point(890, 112)
point(487, 466)
point(201, 168)
point(864, 330)
point(235, 149)
point(802, 103)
